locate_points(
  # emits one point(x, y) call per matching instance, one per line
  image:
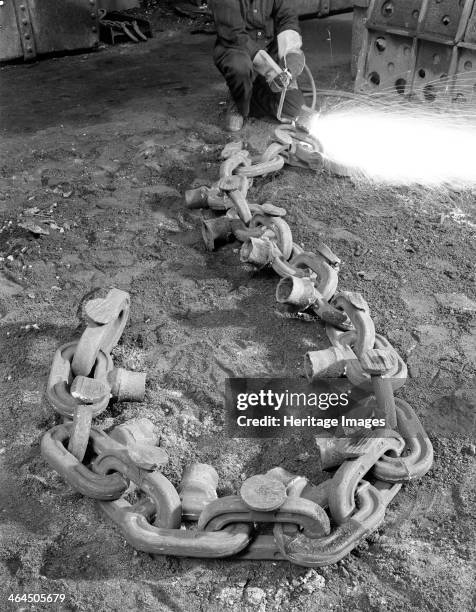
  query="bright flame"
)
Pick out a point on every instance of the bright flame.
point(399, 146)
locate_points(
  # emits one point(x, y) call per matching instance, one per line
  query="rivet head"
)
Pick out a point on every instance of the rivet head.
point(27, 36)
point(93, 15)
point(94, 29)
point(25, 21)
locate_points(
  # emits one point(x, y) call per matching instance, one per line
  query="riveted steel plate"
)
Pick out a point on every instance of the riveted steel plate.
point(389, 64)
point(464, 88)
point(470, 32)
point(10, 41)
point(443, 17)
point(31, 27)
point(402, 14)
point(432, 67)
point(425, 49)
point(64, 25)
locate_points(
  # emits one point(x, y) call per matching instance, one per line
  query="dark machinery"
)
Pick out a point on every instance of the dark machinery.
point(32, 27)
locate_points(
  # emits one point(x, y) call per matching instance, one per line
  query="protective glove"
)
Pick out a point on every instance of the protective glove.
point(265, 65)
point(294, 62)
point(290, 53)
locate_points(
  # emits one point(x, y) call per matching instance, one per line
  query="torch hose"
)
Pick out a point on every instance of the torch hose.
point(312, 92)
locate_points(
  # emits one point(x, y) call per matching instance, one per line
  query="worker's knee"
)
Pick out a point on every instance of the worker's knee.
point(240, 67)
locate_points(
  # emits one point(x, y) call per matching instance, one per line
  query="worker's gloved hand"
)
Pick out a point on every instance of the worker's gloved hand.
point(265, 65)
point(294, 62)
point(290, 53)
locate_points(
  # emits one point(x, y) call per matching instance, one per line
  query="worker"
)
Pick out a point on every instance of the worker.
point(248, 33)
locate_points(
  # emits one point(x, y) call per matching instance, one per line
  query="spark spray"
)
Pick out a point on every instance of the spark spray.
point(398, 146)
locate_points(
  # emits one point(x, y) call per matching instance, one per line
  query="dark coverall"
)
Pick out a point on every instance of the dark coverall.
point(243, 28)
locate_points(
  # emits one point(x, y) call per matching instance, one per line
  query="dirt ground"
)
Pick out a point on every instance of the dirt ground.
point(98, 149)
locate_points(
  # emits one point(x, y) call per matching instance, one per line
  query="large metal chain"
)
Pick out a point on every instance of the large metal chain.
point(370, 468)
